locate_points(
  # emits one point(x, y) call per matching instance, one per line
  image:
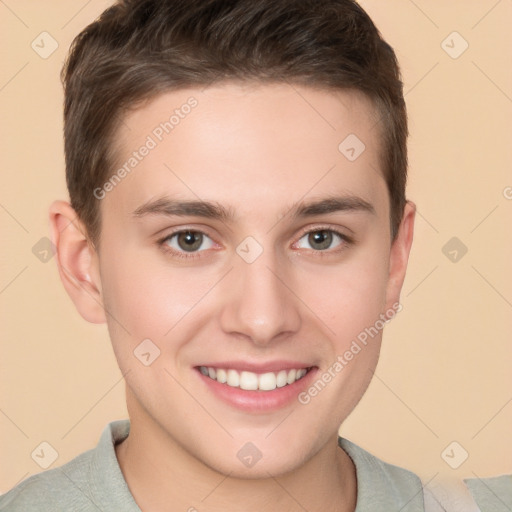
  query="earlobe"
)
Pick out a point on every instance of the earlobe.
point(399, 256)
point(77, 262)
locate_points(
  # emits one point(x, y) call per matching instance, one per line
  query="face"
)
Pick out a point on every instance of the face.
point(242, 256)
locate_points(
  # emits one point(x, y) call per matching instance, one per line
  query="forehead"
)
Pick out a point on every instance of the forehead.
point(247, 146)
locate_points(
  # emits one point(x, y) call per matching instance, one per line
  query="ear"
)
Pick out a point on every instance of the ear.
point(400, 249)
point(77, 262)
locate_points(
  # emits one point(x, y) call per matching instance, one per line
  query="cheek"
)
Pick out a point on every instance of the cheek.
point(349, 297)
point(350, 304)
point(148, 300)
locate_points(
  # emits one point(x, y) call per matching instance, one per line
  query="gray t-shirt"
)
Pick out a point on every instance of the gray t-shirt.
point(93, 482)
point(492, 493)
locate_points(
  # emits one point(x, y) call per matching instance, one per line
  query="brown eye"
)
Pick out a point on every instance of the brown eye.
point(189, 241)
point(321, 240)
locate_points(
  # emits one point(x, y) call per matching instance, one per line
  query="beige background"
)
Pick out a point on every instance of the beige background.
point(445, 371)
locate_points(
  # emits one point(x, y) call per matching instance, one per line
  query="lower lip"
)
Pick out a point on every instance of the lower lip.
point(258, 401)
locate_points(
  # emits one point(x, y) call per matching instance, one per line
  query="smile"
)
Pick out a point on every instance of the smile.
point(250, 381)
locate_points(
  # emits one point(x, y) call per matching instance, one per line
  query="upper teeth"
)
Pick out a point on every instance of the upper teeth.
point(253, 381)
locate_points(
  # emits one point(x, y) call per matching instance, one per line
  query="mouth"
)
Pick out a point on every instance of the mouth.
point(256, 389)
point(251, 381)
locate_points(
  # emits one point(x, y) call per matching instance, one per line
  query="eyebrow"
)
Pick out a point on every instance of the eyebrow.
point(210, 210)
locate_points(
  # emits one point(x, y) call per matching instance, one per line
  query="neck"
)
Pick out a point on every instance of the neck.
point(159, 472)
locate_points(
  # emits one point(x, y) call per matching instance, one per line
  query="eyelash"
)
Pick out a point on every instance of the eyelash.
point(179, 254)
point(197, 254)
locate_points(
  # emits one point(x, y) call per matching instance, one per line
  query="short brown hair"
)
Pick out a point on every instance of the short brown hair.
point(138, 49)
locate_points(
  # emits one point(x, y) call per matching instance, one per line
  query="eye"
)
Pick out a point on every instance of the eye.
point(321, 240)
point(188, 241)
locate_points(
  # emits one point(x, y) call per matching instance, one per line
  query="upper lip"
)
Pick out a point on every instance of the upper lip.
point(260, 367)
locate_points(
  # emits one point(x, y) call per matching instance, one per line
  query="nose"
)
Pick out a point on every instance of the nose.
point(259, 304)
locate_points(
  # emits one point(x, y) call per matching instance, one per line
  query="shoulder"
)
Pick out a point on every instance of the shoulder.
point(383, 486)
point(80, 485)
point(493, 493)
point(54, 489)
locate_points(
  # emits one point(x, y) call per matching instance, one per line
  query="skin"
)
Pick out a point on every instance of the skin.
point(257, 150)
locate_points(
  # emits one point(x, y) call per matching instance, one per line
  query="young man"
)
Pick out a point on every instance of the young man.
point(238, 219)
